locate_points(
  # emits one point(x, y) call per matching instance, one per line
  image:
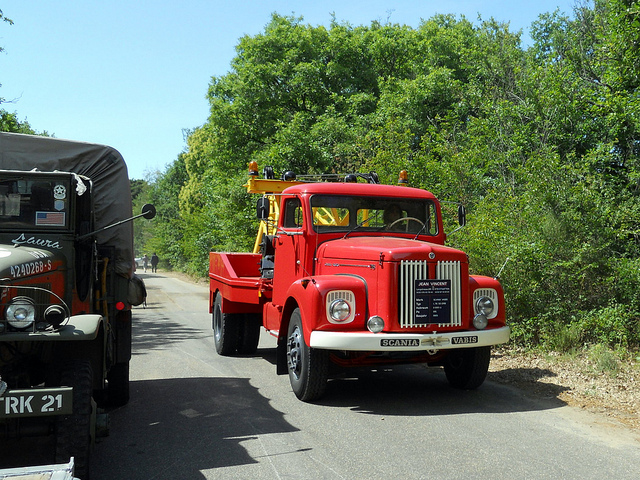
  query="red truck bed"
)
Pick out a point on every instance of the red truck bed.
point(236, 275)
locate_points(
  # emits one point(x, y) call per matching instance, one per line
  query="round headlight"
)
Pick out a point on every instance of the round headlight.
point(55, 315)
point(484, 306)
point(21, 312)
point(375, 324)
point(480, 321)
point(339, 310)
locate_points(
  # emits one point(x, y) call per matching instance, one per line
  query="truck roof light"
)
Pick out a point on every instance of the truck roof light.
point(403, 177)
point(253, 169)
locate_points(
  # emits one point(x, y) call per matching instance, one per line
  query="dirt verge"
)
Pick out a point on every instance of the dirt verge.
point(579, 381)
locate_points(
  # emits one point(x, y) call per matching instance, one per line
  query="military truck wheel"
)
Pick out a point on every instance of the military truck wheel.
point(467, 368)
point(73, 432)
point(249, 334)
point(118, 390)
point(226, 329)
point(308, 367)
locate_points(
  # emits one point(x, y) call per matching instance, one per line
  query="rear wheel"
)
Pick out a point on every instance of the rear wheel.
point(467, 368)
point(308, 367)
point(249, 334)
point(118, 378)
point(226, 329)
point(73, 432)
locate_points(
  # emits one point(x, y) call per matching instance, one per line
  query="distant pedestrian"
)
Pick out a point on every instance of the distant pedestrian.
point(154, 263)
point(145, 262)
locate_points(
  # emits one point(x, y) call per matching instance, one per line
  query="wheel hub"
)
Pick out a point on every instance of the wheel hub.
point(294, 352)
point(217, 325)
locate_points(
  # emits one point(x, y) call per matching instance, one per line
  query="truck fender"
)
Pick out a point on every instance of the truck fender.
point(309, 294)
point(479, 282)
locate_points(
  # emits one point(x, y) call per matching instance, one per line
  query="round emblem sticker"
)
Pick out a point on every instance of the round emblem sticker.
point(59, 192)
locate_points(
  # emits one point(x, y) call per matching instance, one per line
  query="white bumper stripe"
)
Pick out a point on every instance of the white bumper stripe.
point(393, 342)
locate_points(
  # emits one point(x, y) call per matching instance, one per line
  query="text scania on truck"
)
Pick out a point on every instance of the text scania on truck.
point(66, 289)
point(354, 273)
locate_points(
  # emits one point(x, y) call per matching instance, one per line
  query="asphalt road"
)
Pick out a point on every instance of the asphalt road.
point(195, 415)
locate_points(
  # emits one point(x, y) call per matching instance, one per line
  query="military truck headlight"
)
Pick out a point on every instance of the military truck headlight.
point(55, 315)
point(339, 310)
point(21, 312)
point(485, 306)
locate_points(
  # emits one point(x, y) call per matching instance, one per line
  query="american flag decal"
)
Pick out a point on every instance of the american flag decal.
point(50, 218)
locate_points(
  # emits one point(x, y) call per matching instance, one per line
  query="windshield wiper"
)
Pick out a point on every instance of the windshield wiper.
point(356, 227)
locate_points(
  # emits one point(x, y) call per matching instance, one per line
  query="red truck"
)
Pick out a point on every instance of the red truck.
point(354, 273)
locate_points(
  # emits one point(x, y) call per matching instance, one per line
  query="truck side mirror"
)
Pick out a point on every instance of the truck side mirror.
point(148, 211)
point(462, 215)
point(262, 208)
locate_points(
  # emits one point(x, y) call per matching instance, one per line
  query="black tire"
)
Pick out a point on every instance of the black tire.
point(73, 432)
point(467, 368)
point(226, 329)
point(308, 367)
point(249, 334)
point(118, 390)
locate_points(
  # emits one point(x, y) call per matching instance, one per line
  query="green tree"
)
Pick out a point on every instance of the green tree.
point(541, 144)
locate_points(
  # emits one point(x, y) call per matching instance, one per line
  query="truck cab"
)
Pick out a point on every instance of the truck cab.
point(40, 214)
point(358, 273)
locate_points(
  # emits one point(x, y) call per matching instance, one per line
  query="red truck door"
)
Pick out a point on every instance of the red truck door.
point(290, 250)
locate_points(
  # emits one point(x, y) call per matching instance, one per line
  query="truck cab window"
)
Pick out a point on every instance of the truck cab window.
point(28, 203)
point(373, 214)
point(292, 213)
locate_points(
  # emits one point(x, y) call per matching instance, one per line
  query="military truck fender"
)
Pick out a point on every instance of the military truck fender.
point(78, 328)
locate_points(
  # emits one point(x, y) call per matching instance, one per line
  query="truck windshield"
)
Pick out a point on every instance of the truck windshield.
point(333, 213)
point(26, 203)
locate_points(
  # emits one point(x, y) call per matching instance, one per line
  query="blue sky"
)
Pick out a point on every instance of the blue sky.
point(134, 74)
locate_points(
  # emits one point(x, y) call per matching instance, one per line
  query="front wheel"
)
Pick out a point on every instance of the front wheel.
point(467, 368)
point(73, 432)
point(308, 367)
point(226, 329)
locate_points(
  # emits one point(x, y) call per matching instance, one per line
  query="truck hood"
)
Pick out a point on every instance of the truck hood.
point(20, 262)
point(386, 249)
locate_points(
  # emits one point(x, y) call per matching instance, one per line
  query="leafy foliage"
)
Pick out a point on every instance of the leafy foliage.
point(542, 145)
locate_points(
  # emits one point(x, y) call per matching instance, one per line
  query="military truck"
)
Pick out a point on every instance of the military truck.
point(348, 272)
point(66, 289)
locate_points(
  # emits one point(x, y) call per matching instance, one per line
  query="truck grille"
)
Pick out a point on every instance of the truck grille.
point(39, 297)
point(412, 270)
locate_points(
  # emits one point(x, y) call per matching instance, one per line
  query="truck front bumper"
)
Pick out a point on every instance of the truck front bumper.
point(395, 342)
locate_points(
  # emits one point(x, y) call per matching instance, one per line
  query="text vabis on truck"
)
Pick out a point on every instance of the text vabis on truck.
point(66, 288)
point(354, 273)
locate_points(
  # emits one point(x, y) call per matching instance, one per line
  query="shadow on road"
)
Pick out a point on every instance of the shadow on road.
point(147, 334)
point(421, 391)
point(174, 428)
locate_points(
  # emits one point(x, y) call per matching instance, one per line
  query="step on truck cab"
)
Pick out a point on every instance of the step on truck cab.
point(354, 273)
point(66, 289)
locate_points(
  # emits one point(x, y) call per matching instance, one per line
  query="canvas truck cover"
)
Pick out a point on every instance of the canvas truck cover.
point(102, 164)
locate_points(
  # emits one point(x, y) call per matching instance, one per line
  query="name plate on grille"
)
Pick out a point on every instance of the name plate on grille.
point(432, 301)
